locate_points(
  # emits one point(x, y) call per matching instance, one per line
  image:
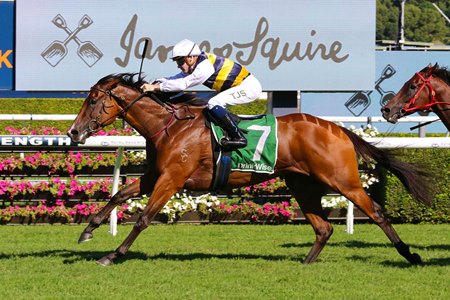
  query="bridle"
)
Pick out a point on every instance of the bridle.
point(125, 107)
point(410, 108)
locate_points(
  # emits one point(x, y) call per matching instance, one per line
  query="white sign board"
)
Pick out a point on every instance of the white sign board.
point(289, 45)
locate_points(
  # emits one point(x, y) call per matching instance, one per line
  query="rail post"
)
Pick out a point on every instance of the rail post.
point(115, 189)
point(350, 217)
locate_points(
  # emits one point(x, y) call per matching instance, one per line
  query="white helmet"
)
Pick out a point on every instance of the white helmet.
point(185, 48)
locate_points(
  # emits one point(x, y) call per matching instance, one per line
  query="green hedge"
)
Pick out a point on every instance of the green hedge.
point(399, 204)
point(53, 106)
point(73, 105)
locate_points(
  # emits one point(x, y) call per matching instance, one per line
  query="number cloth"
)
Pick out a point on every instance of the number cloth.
point(260, 155)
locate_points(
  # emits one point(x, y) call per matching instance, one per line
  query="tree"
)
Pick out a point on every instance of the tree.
point(423, 23)
point(386, 22)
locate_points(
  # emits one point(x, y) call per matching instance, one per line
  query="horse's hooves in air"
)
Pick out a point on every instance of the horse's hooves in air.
point(85, 237)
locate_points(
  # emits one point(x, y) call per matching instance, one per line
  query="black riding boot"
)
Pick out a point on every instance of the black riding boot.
point(223, 119)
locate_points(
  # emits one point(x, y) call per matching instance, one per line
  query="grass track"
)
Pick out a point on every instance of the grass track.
point(222, 262)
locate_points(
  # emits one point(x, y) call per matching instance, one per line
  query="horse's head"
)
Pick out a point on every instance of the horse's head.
point(104, 104)
point(417, 94)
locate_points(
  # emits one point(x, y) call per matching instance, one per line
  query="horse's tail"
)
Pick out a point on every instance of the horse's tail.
point(416, 181)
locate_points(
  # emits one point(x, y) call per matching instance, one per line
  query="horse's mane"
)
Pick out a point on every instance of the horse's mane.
point(123, 78)
point(129, 79)
point(443, 73)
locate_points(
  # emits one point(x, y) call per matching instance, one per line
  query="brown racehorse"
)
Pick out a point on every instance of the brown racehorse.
point(427, 90)
point(313, 155)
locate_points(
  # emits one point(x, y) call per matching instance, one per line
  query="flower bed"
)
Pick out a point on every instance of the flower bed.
point(56, 189)
point(57, 213)
point(64, 164)
point(180, 209)
point(205, 207)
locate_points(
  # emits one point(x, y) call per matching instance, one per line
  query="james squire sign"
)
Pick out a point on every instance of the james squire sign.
point(289, 45)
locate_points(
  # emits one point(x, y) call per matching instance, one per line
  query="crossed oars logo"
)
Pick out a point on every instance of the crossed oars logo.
point(57, 50)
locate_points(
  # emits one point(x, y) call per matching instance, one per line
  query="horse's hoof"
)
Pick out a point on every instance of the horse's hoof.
point(85, 237)
point(105, 261)
point(416, 259)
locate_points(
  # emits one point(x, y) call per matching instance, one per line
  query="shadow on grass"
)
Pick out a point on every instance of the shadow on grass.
point(360, 244)
point(437, 262)
point(72, 256)
point(441, 261)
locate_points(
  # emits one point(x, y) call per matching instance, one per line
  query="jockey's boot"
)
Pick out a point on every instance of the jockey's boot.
point(223, 119)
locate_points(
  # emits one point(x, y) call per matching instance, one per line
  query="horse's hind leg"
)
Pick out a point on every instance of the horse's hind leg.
point(374, 211)
point(308, 193)
point(141, 186)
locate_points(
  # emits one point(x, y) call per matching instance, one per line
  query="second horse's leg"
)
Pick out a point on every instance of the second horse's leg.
point(308, 193)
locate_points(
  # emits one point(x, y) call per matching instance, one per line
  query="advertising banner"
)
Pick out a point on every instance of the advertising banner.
point(288, 44)
point(6, 44)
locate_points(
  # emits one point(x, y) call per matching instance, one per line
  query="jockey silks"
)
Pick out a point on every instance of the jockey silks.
point(227, 73)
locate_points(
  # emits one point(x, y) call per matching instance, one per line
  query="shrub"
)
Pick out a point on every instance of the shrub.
point(399, 204)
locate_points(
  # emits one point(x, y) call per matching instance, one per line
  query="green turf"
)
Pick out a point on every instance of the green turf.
point(222, 262)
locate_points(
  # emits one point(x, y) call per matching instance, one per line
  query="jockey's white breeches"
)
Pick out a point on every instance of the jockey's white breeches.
point(249, 90)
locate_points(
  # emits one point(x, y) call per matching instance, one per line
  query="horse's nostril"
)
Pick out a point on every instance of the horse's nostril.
point(385, 109)
point(74, 132)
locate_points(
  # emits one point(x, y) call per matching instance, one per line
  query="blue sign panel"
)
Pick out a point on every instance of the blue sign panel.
point(6, 44)
point(393, 69)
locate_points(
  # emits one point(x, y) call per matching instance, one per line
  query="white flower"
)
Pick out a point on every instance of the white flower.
point(334, 202)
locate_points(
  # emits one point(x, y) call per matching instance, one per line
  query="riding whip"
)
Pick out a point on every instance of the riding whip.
point(143, 57)
point(423, 124)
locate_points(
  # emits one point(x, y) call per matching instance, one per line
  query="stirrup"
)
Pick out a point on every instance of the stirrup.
point(233, 144)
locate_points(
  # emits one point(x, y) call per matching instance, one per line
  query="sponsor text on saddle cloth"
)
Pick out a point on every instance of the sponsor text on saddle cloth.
point(260, 155)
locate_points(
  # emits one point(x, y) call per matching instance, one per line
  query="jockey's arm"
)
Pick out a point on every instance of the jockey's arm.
point(183, 81)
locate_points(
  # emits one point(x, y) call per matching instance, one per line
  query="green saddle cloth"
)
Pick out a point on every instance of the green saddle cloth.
point(260, 155)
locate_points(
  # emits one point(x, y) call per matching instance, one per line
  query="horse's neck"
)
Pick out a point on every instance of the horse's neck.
point(443, 110)
point(444, 114)
point(152, 120)
point(147, 118)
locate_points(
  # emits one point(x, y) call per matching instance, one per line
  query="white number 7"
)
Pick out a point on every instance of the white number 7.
point(262, 140)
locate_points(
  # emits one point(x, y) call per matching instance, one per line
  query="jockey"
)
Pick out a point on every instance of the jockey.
point(232, 81)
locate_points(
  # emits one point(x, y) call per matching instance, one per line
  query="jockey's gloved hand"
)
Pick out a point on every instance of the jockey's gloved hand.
point(150, 87)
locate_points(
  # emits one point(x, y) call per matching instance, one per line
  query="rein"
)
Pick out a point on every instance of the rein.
point(426, 82)
point(169, 108)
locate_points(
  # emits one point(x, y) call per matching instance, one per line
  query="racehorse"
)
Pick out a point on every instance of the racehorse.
point(427, 90)
point(313, 156)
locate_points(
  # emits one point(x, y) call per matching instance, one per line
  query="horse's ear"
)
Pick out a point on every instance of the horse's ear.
point(430, 68)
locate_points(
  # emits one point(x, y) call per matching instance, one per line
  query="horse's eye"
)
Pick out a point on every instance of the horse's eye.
point(92, 101)
point(412, 86)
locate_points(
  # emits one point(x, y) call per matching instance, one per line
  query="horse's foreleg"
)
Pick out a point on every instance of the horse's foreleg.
point(132, 190)
point(158, 199)
point(374, 211)
point(308, 194)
